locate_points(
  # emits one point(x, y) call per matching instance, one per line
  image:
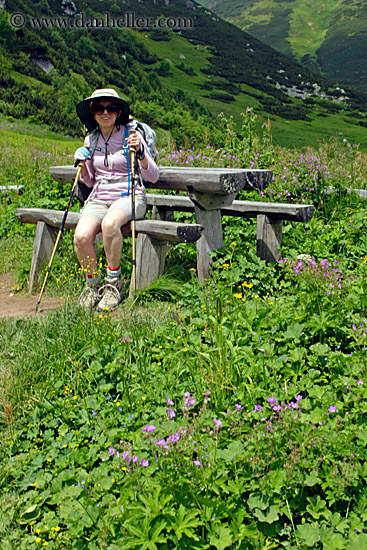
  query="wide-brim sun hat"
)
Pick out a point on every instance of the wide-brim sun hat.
point(86, 116)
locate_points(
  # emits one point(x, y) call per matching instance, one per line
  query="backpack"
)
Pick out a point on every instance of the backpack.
point(82, 191)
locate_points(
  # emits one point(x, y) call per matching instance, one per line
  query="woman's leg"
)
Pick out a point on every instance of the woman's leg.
point(112, 236)
point(85, 233)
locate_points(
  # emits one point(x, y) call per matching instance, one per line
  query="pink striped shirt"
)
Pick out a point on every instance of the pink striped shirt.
point(110, 182)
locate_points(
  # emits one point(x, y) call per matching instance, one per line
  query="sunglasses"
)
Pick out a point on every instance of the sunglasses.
point(100, 109)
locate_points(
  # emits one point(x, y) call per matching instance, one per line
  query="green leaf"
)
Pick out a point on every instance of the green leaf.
point(317, 507)
point(221, 538)
point(277, 479)
point(257, 500)
point(312, 479)
point(185, 522)
point(269, 517)
point(308, 534)
point(294, 332)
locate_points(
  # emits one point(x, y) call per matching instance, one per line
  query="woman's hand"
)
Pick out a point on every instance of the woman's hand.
point(135, 144)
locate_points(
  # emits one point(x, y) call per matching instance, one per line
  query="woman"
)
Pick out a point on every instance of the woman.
point(108, 206)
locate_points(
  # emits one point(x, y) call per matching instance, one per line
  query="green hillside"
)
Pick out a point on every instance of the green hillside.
point(177, 79)
point(329, 37)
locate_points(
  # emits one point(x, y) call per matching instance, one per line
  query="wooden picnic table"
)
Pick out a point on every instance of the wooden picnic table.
point(210, 190)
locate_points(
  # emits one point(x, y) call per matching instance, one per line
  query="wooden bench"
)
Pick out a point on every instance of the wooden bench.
point(211, 194)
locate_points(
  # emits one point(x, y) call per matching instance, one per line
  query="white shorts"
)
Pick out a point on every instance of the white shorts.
point(98, 209)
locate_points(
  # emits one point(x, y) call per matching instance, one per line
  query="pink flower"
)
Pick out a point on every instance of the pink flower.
point(218, 423)
point(238, 407)
point(144, 463)
point(171, 413)
point(170, 402)
point(149, 428)
point(332, 409)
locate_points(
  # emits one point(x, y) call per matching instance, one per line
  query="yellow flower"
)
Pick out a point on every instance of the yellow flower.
point(225, 266)
point(233, 244)
point(303, 520)
point(237, 295)
point(38, 539)
point(143, 398)
point(118, 404)
point(38, 530)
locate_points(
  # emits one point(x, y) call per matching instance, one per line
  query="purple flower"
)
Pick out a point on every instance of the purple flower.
point(111, 450)
point(160, 442)
point(189, 402)
point(149, 428)
point(218, 423)
point(135, 458)
point(359, 382)
point(171, 413)
point(170, 402)
point(277, 408)
point(332, 409)
point(174, 437)
point(293, 405)
point(144, 463)
point(271, 400)
point(197, 463)
point(257, 408)
point(298, 397)
point(238, 407)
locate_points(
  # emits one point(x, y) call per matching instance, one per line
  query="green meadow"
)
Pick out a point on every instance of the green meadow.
point(224, 415)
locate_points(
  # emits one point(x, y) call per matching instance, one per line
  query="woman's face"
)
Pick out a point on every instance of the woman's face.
point(105, 112)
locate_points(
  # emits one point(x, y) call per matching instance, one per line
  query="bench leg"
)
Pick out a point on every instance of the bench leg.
point(43, 245)
point(151, 253)
point(211, 239)
point(269, 238)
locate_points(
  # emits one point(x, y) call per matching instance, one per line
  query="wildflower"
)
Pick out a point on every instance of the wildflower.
point(144, 463)
point(111, 450)
point(160, 442)
point(197, 463)
point(149, 428)
point(237, 295)
point(298, 397)
point(293, 405)
point(238, 407)
point(190, 402)
point(171, 413)
point(170, 402)
point(277, 408)
point(359, 382)
point(332, 409)
point(225, 266)
point(271, 400)
point(257, 408)
point(218, 423)
point(174, 437)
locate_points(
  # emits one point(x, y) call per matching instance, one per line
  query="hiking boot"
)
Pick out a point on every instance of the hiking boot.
point(90, 297)
point(112, 294)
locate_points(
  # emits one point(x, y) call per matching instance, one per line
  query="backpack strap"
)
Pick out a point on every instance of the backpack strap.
point(93, 142)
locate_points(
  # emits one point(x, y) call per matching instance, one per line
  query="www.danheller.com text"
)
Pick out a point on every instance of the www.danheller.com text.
point(106, 21)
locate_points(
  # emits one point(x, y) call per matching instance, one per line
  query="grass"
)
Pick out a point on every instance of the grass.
point(223, 415)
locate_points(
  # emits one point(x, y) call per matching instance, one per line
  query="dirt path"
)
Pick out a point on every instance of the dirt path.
point(13, 304)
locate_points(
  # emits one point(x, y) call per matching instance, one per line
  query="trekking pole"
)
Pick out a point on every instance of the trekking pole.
point(133, 236)
point(61, 229)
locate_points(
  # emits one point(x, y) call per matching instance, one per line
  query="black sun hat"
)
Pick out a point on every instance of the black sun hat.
point(86, 116)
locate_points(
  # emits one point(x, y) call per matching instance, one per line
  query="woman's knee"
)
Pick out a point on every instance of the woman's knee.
point(111, 226)
point(83, 237)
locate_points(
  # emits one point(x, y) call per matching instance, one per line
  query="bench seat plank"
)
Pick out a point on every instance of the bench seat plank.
point(248, 209)
point(158, 229)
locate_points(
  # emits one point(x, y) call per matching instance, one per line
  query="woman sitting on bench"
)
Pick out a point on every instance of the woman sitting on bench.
point(109, 205)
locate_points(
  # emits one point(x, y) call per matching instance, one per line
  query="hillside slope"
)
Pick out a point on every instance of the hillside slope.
point(177, 79)
point(329, 37)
